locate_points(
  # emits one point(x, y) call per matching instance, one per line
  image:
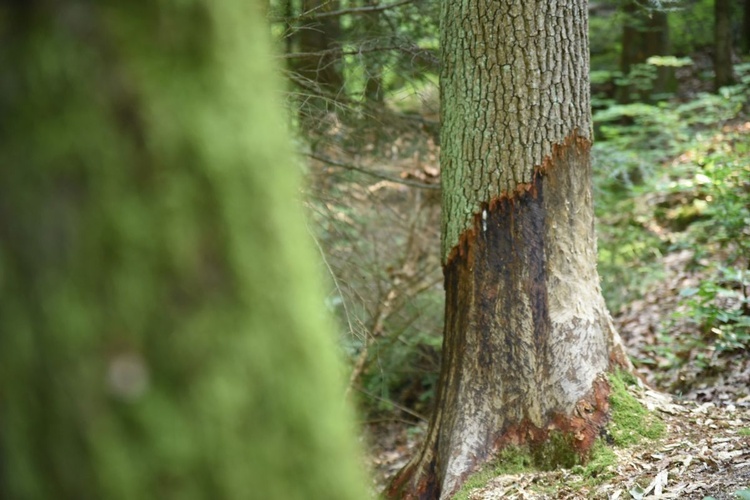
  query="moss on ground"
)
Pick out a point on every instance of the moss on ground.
point(511, 460)
point(631, 421)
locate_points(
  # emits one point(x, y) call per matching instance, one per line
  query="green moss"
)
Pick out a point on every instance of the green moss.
point(597, 469)
point(631, 421)
point(745, 431)
point(511, 460)
point(557, 452)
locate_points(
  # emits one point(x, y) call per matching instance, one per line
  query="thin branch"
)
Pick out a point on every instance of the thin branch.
point(368, 9)
point(416, 51)
point(334, 163)
point(363, 10)
point(398, 406)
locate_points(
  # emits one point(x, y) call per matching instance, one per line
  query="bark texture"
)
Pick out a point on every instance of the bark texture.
point(527, 334)
point(161, 333)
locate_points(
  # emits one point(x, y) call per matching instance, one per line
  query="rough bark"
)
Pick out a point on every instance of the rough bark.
point(527, 334)
point(161, 327)
point(723, 70)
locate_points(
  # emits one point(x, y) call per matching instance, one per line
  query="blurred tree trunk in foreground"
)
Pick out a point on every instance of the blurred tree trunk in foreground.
point(723, 70)
point(162, 334)
point(528, 337)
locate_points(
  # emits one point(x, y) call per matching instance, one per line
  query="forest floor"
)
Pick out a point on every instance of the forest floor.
point(704, 404)
point(705, 451)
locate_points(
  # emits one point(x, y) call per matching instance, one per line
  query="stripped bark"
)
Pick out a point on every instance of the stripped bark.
point(528, 338)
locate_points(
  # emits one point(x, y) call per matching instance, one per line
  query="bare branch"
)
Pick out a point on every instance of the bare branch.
point(368, 9)
point(405, 182)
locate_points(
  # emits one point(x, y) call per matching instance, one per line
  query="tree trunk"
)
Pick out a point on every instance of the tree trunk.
point(162, 334)
point(320, 63)
point(373, 63)
point(528, 338)
point(723, 44)
point(745, 32)
point(645, 34)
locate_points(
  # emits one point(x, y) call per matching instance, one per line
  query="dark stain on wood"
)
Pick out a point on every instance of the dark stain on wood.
point(507, 254)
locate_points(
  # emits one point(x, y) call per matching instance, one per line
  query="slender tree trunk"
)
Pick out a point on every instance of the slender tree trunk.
point(723, 70)
point(528, 338)
point(161, 333)
point(645, 34)
point(374, 64)
point(321, 62)
point(288, 6)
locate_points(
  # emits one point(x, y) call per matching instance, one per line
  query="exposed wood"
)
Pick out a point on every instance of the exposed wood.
point(527, 334)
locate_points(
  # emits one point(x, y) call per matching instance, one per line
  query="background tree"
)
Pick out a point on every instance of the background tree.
point(319, 64)
point(724, 74)
point(527, 334)
point(645, 33)
point(162, 334)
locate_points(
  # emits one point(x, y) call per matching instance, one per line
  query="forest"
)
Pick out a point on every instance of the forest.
point(351, 249)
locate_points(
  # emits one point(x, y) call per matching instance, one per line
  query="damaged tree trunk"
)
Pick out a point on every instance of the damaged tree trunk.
point(528, 338)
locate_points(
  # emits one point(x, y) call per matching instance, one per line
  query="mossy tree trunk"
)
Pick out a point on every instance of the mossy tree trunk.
point(723, 70)
point(528, 338)
point(162, 334)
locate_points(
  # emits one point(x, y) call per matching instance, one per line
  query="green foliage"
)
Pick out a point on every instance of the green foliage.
point(604, 41)
point(634, 141)
point(718, 182)
point(691, 28)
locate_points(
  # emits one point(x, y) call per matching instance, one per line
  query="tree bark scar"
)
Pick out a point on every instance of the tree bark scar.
point(590, 416)
point(507, 254)
point(559, 152)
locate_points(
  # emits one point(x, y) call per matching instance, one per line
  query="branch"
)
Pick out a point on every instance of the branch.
point(368, 9)
point(363, 10)
point(355, 168)
point(415, 50)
